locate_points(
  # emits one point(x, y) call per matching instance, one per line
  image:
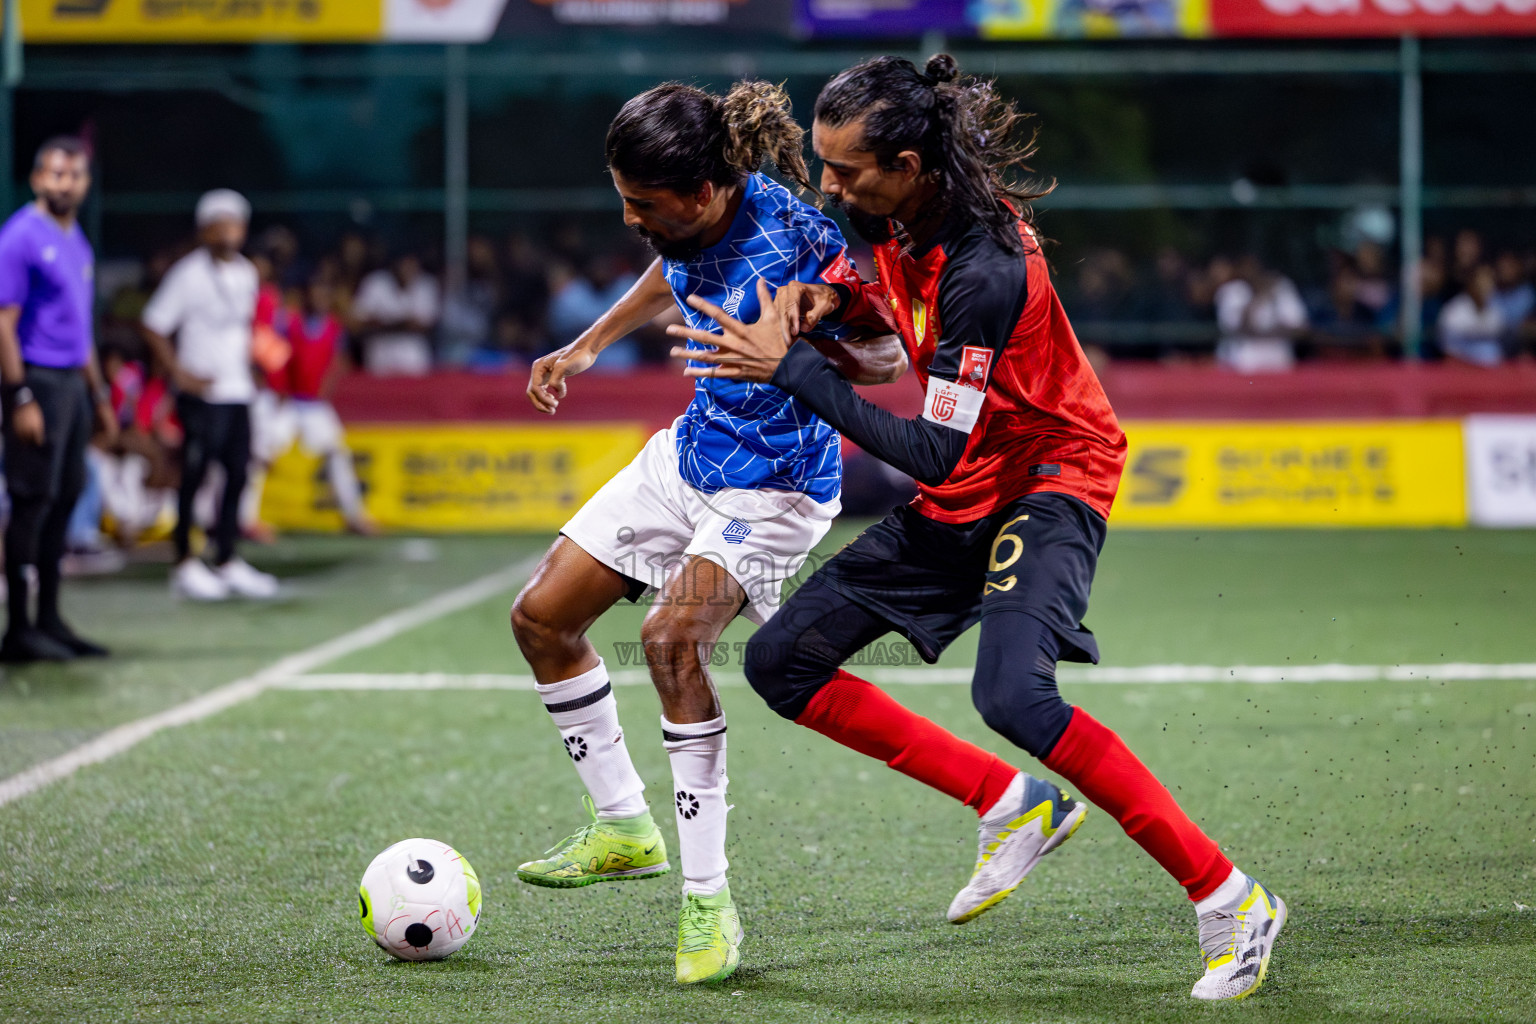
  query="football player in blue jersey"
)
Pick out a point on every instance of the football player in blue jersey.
point(716, 511)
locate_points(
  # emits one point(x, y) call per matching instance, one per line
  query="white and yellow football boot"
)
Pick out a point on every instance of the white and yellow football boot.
point(1031, 819)
point(1236, 938)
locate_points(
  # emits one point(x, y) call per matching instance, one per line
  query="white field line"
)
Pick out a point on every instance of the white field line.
point(1141, 674)
point(115, 741)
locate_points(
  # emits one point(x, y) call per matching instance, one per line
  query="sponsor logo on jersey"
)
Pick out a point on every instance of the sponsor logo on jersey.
point(953, 406)
point(841, 271)
point(975, 366)
point(919, 321)
point(735, 531)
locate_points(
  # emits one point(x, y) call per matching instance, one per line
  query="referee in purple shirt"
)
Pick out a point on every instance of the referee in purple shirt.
point(49, 382)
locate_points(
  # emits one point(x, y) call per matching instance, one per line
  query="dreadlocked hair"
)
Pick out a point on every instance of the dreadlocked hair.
point(678, 136)
point(969, 137)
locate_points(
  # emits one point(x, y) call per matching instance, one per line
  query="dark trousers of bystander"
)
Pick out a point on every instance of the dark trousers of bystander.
point(215, 434)
point(44, 482)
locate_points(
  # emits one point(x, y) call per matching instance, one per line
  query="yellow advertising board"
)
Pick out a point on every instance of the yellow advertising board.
point(1387, 473)
point(459, 477)
point(200, 21)
point(467, 477)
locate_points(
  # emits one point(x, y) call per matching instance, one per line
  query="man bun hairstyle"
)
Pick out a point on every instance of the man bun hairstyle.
point(678, 136)
point(970, 138)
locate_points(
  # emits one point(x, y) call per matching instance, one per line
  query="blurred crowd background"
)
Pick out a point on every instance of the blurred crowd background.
point(528, 292)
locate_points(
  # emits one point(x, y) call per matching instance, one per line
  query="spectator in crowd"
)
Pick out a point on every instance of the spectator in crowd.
point(1374, 288)
point(395, 311)
point(207, 302)
point(467, 327)
point(582, 296)
point(1471, 325)
point(520, 318)
point(50, 385)
point(303, 385)
point(1206, 281)
point(1259, 314)
point(1515, 298)
point(1164, 306)
point(1432, 284)
point(138, 471)
point(1165, 297)
point(279, 247)
point(1466, 258)
point(1104, 283)
point(1343, 325)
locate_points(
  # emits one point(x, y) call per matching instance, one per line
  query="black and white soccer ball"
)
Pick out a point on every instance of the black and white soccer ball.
point(420, 900)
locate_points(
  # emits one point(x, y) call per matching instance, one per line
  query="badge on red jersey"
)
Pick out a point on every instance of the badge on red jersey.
point(975, 367)
point(841, 271)
point(950, 405)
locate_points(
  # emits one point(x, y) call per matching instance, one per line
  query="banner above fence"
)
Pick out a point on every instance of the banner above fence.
point(222, 21)
point(216, 21)
point(1109, 19)
point(200, 21)
point(1373, 17)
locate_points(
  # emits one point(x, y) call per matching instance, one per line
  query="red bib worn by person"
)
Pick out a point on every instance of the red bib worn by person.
point(314, 340)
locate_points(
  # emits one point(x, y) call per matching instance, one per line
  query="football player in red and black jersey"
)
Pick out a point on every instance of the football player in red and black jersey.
point(1017, 455)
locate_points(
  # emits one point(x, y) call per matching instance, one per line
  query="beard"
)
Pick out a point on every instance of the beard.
point(60, 205)
point(874, 230)
point(679, 250)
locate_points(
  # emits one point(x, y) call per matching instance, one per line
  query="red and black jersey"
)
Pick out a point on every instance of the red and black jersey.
point(1012, 406)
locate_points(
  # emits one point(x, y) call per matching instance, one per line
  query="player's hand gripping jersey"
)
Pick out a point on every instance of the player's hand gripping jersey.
point(1012, 406)
point(754, 436)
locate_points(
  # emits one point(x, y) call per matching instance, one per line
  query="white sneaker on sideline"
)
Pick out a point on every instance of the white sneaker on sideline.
point(244, 580)
point(194, 581)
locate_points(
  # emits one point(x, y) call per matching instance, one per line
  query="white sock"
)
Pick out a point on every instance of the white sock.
point(697, 752)
point(250, 501)
point(1226, 893)
point(588, 718)
point(349, 495)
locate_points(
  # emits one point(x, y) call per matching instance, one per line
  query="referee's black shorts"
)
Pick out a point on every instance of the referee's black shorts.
point(44, 472)
point(932, 581)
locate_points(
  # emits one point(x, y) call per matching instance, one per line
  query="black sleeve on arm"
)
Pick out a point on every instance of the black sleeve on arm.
point(981, 298)
point(924, 450)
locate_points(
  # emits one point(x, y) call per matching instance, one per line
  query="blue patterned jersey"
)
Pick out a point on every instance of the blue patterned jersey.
point(740, 434)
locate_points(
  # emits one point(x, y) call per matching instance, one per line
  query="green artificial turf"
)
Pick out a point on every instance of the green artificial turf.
point(210, 873)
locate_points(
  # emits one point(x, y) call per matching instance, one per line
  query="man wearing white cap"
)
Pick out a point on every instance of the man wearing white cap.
point(208, 303)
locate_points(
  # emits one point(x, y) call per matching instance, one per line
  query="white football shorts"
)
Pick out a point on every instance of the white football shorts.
point(278, 422)
point(644, 520)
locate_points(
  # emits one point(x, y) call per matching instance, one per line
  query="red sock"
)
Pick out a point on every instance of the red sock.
point(1104, 770)
point(863, 717)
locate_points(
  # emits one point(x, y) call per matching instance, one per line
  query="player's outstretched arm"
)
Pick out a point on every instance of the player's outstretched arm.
point(645, 301)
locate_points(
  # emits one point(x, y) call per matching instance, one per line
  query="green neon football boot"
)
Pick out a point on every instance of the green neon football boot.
point(602, 851)
point(709, 936)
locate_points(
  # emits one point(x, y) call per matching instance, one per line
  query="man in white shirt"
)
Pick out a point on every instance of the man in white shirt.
point(396, 310)
point(1472, 324)
point(207, 301)
point(1259, 313)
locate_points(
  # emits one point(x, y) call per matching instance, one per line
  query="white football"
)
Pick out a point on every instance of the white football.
point(420, 900)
